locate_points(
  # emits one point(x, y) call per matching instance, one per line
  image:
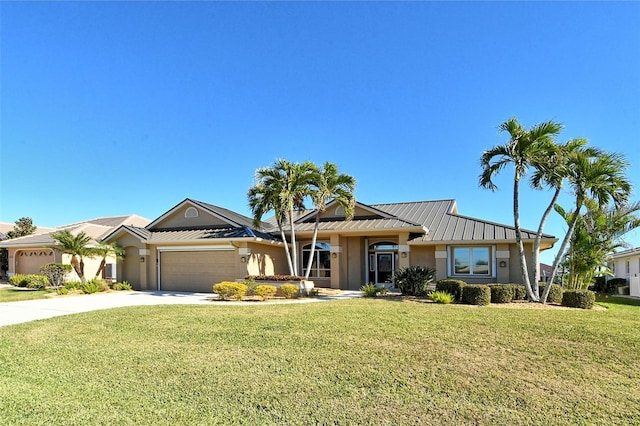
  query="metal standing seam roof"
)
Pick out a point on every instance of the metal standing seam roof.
point(439, 217)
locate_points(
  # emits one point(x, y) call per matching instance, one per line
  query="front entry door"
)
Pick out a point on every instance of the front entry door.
point(385, 267)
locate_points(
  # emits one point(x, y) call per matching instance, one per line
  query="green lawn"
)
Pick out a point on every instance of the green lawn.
point(364, 361)
point(17, 294)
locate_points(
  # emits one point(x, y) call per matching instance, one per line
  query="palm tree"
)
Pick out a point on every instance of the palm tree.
point(599, 176)
point(598, 232)
point(522, 150)
point(327, 185)
point(282, 188)
point(105, 250)
point(76, 246)
point(551, 170)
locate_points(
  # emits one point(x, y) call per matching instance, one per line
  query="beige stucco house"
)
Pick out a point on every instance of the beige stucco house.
point(27, 254)
point(626, 264)
point(195, 245)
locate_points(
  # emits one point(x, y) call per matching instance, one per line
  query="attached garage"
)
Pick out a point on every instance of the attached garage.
point(30, 261)
point(196, 270)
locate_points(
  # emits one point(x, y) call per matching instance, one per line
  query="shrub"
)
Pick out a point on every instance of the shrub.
point(123, 286)
point(230, 290)
point(251, 284)
point(33, 281)
point(476, 295)
point(99, 283)
point(265, 291)
point(453, 287)
point(370, 290)
point(274, 277)
point(61, 291)
point(55, 273)
point(73, 285)
point(289, 291)
point(519, 292)
point(583, 299)
point(413, 280)
point(89, 287)
point(555, 293)
point(502, 293)
point(18, 280)
point(442, 297)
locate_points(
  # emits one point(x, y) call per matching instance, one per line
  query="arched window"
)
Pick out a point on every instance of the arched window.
point(191, 212)
point(321, 265)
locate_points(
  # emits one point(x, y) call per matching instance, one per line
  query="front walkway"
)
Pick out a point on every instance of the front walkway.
point(31, 310)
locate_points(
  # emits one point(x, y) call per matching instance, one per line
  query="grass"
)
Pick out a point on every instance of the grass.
point(18, 294)
point(364, 361)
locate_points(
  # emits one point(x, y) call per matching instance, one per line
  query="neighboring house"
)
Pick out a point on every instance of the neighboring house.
point(6, 227)
point(194, 245)
point(27, 254)
point(626, 264)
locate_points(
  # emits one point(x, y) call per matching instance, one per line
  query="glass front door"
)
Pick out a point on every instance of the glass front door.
point(381, 267)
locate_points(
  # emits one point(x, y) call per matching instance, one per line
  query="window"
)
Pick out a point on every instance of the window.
point(191, 212)
point(627, 267)
point(321, 264)
point(471, 261)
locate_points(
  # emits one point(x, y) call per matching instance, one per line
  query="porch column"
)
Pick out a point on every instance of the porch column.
point(441, 263)
point(336, 259)
point(404, 254)
point(144, 261)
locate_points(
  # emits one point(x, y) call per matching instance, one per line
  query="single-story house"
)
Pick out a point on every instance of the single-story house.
point(195, 245)
point(27, 254)
point(626, 264)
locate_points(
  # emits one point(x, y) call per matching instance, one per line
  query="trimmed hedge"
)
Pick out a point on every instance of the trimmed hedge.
point(502, 293)
point(476, 295)
point(289, 291)
point(520, 292)
point(266, 291)
point(453, 287)
point(583, 299)
point(33, 281)
point(555, 294)
point(230, 290)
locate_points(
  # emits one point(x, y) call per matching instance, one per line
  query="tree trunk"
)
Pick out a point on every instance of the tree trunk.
point(294, 251)
point(536, 242)
point(523, 261)
point(286, 248)
point(103, 262)
point(313, 247)
point(563, 247)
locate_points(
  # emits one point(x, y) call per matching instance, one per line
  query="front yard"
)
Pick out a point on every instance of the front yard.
point(364, 361)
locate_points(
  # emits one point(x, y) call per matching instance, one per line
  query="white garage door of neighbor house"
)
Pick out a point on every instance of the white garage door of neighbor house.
point(195, 271)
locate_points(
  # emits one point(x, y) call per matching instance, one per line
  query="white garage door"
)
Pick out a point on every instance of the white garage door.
point(195, 271)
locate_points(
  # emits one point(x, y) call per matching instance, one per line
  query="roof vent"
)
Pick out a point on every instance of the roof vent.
point(191, 212)
point(340, 211)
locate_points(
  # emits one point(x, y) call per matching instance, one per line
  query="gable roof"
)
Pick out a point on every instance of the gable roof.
point(236, 226)
point(232, 218)
point(94, 228)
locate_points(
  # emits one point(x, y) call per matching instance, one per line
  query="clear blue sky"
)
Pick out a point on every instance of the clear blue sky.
point(112, 108)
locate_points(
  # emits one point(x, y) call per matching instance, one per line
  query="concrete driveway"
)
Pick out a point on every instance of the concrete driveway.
point(31, 310)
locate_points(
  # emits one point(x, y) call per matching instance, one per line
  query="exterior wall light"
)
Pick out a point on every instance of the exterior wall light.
point(503, 264)
point(403, 254)
point(141, 259)
point(334, 255)
point(243, 259)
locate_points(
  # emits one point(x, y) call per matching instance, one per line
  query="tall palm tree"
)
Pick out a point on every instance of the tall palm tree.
point(599, 176)
point(105, 250)
point(282, 188)
point(76, 246)
point(522, 149)
point(329, 184)
point(551, 170)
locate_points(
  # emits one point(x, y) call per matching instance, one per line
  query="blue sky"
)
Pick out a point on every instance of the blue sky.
point(112, 108)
